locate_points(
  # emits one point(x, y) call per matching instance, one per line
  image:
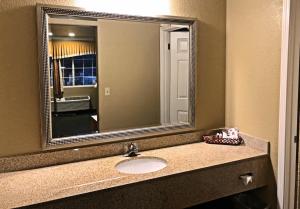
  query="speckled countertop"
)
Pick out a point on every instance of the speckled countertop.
point(44, 184)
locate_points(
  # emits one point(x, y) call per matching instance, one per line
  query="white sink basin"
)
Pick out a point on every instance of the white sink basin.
point(140, 165)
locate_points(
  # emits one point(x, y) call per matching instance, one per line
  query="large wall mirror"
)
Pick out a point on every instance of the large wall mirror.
point(106, 76)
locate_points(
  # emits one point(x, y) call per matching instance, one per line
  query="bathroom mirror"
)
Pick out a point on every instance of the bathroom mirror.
point(108, 76)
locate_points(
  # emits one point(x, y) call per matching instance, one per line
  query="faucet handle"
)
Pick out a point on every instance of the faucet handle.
point(131, 149)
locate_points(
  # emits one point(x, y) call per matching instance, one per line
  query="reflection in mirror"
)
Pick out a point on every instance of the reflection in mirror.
point(110, 75)
point(73, 79)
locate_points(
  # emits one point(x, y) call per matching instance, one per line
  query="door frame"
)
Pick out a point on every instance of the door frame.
point(165, 69)
point(288, 106)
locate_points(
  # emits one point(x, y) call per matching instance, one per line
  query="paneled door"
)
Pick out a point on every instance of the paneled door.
point(179, 77)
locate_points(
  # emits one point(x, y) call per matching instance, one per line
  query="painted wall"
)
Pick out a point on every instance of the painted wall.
point(19, 86)
point(129, 65)
point(253, 68)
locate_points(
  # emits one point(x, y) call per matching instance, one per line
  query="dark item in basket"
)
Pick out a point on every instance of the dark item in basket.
point(214, 139)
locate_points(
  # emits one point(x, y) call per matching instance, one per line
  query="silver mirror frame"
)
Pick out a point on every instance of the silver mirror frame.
point(43, 12)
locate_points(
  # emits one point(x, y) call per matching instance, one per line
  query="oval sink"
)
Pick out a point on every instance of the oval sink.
point(141, 165)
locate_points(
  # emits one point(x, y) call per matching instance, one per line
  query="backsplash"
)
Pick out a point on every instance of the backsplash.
point(56, 157)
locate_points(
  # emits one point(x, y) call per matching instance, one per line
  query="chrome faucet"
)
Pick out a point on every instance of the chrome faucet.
point(131, 150)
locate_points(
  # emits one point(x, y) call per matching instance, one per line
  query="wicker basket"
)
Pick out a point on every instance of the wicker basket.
point(219, 140)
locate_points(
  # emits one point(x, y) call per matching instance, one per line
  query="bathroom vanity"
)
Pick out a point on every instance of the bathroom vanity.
point(195, 173)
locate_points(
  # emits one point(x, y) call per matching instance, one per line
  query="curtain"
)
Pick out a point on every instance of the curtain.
point(64, 49)
point(58, 84)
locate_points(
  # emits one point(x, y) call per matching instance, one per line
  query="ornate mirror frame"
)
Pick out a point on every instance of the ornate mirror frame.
point(43, 12)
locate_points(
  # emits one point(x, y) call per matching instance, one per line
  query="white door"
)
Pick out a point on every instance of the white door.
point(179, 77)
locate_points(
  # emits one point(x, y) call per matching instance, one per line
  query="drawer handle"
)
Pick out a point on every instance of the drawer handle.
point(247, 178)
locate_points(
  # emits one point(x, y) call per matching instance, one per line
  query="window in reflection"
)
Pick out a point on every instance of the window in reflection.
point(77, 71)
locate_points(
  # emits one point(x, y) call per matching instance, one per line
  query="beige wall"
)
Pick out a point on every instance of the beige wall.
point(253, 68)
point(129, 65)
point(19, 86)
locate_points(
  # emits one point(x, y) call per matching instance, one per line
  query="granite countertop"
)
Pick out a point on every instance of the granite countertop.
point(34, 186)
